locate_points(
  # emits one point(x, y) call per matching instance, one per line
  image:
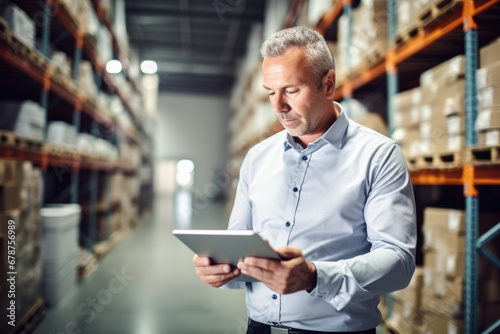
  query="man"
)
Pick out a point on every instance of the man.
point(333, 197)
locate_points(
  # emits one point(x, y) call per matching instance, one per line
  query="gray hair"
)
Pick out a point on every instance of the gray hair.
point(319, 57)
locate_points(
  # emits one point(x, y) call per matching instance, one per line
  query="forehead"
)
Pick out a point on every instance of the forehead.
point(287, 69)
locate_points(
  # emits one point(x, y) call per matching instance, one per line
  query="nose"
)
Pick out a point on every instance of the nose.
point(279, 103)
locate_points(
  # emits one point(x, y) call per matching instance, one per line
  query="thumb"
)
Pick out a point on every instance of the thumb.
point(287, 252)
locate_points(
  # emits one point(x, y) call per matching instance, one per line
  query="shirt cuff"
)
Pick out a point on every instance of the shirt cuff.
point(328, 282)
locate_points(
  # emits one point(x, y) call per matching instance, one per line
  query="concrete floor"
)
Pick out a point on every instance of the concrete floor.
point(160, 292)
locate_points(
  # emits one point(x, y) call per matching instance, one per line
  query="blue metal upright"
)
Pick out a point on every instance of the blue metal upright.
point(45, 47)
point(392, 75)
point(76, 117)
point(472, 200)
point(348, 14)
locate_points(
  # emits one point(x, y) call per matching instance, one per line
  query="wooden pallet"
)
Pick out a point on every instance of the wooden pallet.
point(430, 14)
point(5, 32)
point(436, 10)
point(437, 160)
point(87, 267)
point(61, 151)
point(12, 140)
point(31, 319)
point(483, 155)
point(102, 248)
point(119, 235)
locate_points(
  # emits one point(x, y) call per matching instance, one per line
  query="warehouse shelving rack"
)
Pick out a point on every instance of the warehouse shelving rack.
point(469, 176)
point(41, 75)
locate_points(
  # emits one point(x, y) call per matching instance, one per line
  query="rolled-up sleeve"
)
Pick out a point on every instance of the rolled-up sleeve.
point(391, 229)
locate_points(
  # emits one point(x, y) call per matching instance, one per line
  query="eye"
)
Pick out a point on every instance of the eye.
point(271, 94)
point(289, 92)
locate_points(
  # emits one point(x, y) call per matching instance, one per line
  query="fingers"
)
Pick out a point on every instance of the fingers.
point(220, 279)
point(214, 275)
point(200, 261)
point(287, 252)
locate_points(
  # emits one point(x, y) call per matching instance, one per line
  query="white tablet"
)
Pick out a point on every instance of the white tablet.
point(227, 246)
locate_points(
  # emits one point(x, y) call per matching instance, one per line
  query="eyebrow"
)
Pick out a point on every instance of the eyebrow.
point(284, 87)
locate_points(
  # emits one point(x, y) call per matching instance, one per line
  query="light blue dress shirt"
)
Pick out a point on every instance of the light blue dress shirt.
point(347, 202)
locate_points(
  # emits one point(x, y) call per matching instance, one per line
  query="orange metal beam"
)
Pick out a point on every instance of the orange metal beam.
point(437, 177)
point(468, 175)
point(329, 17)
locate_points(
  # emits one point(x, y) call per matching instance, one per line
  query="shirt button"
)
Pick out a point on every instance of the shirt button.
point(295, 189)
point(304, 158)
point(287, 224)
point(274, 297)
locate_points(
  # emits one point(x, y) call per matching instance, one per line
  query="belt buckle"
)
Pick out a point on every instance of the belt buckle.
point(276, 329)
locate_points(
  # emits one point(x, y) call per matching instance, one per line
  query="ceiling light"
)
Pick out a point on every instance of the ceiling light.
point(149, 67)
point(113, 66)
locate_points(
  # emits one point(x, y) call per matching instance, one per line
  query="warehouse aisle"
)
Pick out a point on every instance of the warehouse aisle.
point(147, 284)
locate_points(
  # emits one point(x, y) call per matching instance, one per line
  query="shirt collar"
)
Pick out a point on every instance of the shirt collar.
point(333, 135)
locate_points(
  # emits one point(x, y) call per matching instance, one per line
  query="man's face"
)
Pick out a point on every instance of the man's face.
point(294, 93)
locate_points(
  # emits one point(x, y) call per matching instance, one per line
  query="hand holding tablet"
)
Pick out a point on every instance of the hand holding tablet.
point(227, 246)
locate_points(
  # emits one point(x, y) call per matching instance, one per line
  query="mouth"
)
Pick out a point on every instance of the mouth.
point(288, 121)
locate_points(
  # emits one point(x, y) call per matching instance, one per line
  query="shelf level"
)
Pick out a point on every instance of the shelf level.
point(411, 48)
point(482, 175)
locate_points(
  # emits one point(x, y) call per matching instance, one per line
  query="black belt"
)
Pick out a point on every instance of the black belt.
point(255, 327)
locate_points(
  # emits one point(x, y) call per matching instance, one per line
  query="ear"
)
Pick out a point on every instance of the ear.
point(329, 84)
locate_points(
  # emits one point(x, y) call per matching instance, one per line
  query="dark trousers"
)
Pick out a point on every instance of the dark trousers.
point(255, 327)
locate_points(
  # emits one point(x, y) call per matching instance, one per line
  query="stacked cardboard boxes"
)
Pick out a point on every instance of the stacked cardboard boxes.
point(369, 37)
point(444, 266)
point(444, 245)
point(369, 22)
point(431, 118)
point(21, 24)
point(488, 85)
point(442, 114)
point(24, 118)
point(20, 200)
point(406, 316)
point(406, 119)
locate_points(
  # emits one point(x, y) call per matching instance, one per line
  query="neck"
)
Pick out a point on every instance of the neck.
point(331, 115)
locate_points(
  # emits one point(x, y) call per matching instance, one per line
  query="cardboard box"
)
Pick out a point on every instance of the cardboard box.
point(11, 171)
point(21, 24)
point(488, 119)
point(445, 72)
point(488, 97)
point(452, 97)
point(5, 217)
point(408, 98)
point(488, 76)
point(443, 241)
point(449, 220)
point(403, 310)
point(412, 293)
point(452, 264)
point(489, 54)
point(444, 307)
point(436, 324)
point(443, 286)
point(456, 124)
point(489, 138)
point(407, 118)
point(405, 136)
point(10, 197)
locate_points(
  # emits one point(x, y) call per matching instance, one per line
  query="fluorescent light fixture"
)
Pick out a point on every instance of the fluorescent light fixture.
point(149, 67)
point(114, 66)
point(185, 166)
